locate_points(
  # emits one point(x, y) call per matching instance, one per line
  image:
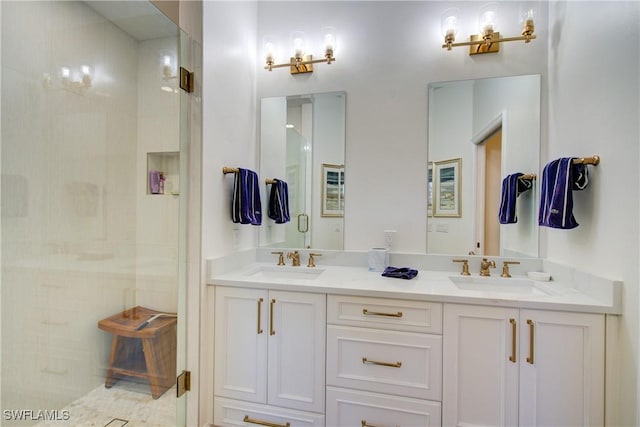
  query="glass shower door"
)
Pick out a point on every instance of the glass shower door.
point(92, 210)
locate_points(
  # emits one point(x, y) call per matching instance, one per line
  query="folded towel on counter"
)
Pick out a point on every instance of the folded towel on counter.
point(512, 187)
point(278, 209)
point(246, 207)
point(559, 179)
point(400, 272)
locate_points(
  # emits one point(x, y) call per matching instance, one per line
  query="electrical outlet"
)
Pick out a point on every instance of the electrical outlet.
point(389, 235)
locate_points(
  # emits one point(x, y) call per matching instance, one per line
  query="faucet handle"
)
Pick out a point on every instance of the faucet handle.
point(280, 257)
point(311, 260)
point(465, 266)
point(295, 258)
point(505, 268)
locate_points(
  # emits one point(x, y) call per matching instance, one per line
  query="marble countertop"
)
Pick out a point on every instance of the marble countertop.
point(601, 296)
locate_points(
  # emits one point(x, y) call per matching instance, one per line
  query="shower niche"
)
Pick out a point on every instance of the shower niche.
point(163, 173)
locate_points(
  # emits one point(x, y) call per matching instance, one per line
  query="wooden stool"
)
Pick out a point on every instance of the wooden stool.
point(149, 353)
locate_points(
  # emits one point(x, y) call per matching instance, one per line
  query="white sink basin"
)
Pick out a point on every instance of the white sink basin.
point(282, 272)
point(511, 286)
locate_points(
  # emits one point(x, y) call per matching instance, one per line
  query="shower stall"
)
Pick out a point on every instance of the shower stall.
point(93, 163)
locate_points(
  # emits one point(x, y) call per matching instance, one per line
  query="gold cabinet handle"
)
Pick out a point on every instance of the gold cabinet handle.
point(377, 313)
point(374, 362)
point(246, 419)
point(531, 339)
point(260, 301)
point(364, 424)
point(514, 333)
point(271, 330)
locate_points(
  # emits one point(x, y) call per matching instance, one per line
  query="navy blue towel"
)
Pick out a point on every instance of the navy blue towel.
point(559, 178)
point(246, 207)
point(278, 209)
point(400, 272)
point(512, 187)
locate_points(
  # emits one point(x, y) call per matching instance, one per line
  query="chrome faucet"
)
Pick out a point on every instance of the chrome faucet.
point(485, 265)
point(295, 258)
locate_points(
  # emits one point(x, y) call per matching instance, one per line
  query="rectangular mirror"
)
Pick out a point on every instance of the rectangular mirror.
point(479, 132)
point(302, 142)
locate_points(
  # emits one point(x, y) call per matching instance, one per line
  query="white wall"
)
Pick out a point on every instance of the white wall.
point(593, 109)
point(229, 111)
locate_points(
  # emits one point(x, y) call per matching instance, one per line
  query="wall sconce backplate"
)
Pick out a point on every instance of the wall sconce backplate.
point(483, 48)
point(302, 67)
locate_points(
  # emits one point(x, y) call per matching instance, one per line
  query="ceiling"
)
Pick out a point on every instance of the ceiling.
point(138, 18)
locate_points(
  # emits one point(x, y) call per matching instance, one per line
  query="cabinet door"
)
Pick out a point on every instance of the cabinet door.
point(561, 369)
point(480, 372)
point(297, 350)
point(241, 334)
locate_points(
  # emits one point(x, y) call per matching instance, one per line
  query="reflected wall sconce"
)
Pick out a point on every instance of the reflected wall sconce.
point(300, 62)
point(167, 69)
point(488, 41)
point(75, 81)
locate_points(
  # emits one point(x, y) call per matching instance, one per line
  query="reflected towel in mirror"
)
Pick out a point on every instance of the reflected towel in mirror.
point(512, 187)
point(278, 208)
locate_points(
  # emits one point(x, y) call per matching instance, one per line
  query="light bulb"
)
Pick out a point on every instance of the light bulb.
point(167, 69)
point(526, 20)
point(489, 18)
point(298, 44)
point(269, 46)
point(86, 75)
point(329, 38)
point(450, 24)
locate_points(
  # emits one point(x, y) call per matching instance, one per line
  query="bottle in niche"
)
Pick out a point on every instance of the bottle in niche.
point(156, 182)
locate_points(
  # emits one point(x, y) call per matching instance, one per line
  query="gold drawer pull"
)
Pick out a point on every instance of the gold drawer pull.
point(377, 313)
point(514, 332)
point(374, 362)
point(260, 315)
point(264, 423)
point(364, 424)
point(531, 335)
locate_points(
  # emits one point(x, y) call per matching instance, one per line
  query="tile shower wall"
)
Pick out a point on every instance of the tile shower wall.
point(73, 185)
point(157, 215)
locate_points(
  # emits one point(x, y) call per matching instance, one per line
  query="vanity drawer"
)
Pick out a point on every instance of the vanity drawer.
point(393, 362)
point(399, 315)
point(360, 408)
point(229, 412)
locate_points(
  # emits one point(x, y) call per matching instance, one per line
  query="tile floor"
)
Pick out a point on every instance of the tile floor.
point(125, 404)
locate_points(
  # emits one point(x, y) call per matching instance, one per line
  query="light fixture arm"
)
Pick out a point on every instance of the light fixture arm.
point(526, 38)
point(299, 63)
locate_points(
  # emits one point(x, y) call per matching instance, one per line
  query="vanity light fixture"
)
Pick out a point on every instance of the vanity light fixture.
point(300, 62)
point(488, 41)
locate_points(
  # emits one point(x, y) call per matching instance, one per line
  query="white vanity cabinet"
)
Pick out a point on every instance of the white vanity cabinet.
point(269, 357)
point(384, 362)
point(509, 367)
